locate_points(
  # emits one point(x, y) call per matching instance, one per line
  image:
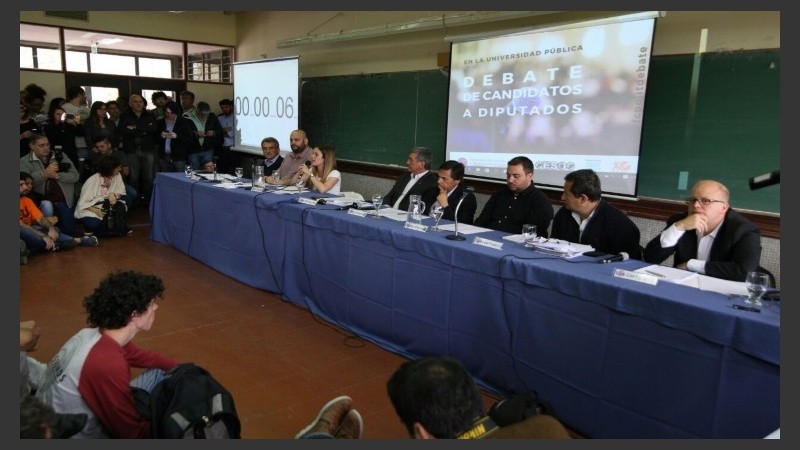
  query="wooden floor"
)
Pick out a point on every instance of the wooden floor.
point(280, 362)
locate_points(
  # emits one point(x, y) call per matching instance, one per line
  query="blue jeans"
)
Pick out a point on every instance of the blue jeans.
point(46, 207)
point(66, 218)
point(90, 224)
point(196, 159)
point(149, 379)
point(35, 243)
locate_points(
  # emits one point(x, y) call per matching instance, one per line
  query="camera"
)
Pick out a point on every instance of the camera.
point(59, 156)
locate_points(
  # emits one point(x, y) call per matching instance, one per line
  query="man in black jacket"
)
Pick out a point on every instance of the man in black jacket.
point(138, 128)
point(710, 238)
point(419, 180)
point(586, 218)
point(518, 203)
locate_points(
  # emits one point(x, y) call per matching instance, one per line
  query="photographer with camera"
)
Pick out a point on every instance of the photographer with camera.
point(54, 177)
point(61, 131)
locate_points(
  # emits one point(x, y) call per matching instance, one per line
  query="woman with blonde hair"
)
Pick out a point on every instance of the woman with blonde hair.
point(321, 175)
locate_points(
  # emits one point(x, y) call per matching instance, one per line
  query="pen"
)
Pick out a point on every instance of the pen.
point(655, 273)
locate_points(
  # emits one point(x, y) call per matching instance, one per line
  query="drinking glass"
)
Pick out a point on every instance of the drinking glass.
point(756, 283)
point(188, 171)
point(377, 201)
point(239, 172)
point(276, 177)
point(436, 212)
point(529, 234)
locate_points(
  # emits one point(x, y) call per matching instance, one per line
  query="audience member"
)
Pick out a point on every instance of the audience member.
point(76, 110)
point(419, 180)
point(100, 192)
point(159, 99)
point(270, 148)
point(209, 134)
point(187, 103)
point(436, 398)
point(99, 125)
point(34, 101)
point(37, 420)
point(710, 238)
point(27, 127)
point(61, 132)
point(587, 218)
point(322, 175)
point(228, 158)
point(177, 138)
point(301, 152)
point(102, 146)
point(45, 206)
point(39, 233)
point(138, 130)
point(518, 203)
point(113, 114)
point(54, 176)
point(91, 373)
point(451, 174)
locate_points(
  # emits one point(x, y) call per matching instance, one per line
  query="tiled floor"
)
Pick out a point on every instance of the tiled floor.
point(280, 362)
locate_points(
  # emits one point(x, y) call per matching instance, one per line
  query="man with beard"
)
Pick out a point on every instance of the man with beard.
point(301, 153)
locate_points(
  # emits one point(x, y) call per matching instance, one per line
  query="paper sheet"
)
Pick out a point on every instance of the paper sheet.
point(696, 280)
point(463, 228)
point(671, 274)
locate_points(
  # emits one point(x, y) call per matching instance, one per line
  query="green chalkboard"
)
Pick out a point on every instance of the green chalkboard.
point(715, 115)
point(377, 118)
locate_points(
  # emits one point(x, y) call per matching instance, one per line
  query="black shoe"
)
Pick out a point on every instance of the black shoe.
point(66, 425)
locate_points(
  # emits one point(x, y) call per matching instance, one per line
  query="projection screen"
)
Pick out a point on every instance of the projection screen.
point(265, 102)
point(568, 97)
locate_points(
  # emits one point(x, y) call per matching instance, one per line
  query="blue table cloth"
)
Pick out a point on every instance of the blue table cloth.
point(616, 358)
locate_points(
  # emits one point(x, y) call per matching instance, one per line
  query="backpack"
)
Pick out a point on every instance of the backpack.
point(191, 404)
point(115, 222)
point(517, 408)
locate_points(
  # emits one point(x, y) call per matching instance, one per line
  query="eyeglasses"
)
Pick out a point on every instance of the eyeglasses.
point(703, 201)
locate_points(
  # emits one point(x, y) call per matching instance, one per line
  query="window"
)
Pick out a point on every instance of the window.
point(39, 47)
point(97, 52)
point(210, 63)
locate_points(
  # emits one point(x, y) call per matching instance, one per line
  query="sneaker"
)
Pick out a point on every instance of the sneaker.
point(352, 426)
point(329, 418)
point(90, 241)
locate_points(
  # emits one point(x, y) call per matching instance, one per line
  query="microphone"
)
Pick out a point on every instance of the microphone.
point(455, 236)
point(767, 179)
point(308, 164)
point(621, 256)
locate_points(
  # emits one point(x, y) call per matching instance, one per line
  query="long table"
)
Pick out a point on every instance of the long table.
point(615, 358)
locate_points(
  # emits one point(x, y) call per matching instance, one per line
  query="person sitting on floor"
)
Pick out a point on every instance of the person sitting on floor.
point(101, 192)
point(91, 373)
point(436, 398)
point(37, 231)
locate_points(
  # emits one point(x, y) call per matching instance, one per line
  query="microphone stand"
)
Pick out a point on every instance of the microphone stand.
point(455, 236)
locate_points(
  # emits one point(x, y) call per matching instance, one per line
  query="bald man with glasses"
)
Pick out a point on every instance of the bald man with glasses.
point(709, 238)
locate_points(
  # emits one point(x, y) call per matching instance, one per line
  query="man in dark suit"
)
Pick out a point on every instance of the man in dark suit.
point(451, 173)
point(272, 155)
point(586, 218)
point(419, 180)
point(720, 242)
